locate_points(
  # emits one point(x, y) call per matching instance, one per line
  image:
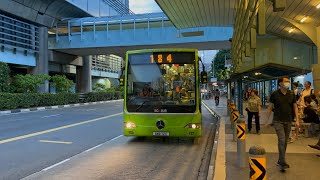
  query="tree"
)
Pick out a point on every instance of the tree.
point(219, 64)
point(223, 74)
point(99, 87)
point(29, 83)
point(62, 83)
point(4, 77)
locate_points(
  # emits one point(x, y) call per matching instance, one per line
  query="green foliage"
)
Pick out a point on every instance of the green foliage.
point(99, 87)
point(29, 83)
point(119, 88)
point(27, 100)
point(58, 99)
point(219, 63)
point(62, 83)
point(4, 77)
point(223, 74)
point(99, 96)
point(103, 96)
point(111, 90)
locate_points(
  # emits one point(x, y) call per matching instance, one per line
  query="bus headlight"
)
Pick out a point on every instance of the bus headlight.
point(129, 125)
point(193, 126)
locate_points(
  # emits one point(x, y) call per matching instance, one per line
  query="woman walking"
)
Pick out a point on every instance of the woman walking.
point(254, 109)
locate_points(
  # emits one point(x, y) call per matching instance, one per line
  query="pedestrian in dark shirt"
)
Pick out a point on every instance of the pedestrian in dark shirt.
point(309, 113)
point(285, 108)
point(310, 116)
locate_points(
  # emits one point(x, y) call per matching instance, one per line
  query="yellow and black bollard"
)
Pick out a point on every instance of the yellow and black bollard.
point(232, 108)
point(257, 163)
point(228, 107)
point(235, 117)
point(241, 143)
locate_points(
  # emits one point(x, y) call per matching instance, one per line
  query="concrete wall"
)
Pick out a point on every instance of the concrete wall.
point(20, 57)
point(281, 51)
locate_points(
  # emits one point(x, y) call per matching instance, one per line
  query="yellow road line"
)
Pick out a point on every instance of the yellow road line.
point(56, 129)
point(56, 142)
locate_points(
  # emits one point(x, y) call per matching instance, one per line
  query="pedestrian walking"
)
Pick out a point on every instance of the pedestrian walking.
point(217, 97)
point(254, 109)
point(285, 108)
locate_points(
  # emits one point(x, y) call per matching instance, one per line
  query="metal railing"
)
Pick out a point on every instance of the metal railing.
point(94, 24)
point(18, 34)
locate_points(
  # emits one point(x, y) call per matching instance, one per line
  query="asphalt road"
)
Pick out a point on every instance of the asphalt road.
point(27, 150)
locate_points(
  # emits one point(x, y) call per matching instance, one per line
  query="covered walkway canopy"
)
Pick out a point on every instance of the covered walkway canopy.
point(272, 38)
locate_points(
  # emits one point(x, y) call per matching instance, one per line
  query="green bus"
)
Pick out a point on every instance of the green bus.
point(162, 95)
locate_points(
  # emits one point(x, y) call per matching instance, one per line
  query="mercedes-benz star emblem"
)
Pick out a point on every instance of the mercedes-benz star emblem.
point(160, 124)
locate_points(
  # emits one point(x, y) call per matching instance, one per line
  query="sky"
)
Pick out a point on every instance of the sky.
point(144, 6)
point(207, 55)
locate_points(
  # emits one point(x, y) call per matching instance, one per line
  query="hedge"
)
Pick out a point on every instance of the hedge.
point(27, 100)
point(103, 96)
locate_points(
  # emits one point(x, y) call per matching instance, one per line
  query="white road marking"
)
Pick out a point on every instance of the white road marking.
point(93, 148)
point(116, 137)
point(50, 116)
point(57, 142)
point(57, 129)
point(220, 161)
point(50, 167)
point(25, 110)
point(103, 143)
point(59, 163)
point(5, 112)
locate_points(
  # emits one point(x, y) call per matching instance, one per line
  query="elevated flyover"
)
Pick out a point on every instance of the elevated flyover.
point(117, 34)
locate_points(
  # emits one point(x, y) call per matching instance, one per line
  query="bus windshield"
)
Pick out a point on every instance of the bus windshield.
point(160, 82)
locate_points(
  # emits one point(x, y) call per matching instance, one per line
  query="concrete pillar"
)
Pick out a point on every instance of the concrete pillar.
point(316, 76)
point(240, 97)
point(83, 76)
point(316, 67)
point(42, 58)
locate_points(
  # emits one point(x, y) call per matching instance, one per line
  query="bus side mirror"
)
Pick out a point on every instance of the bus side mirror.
point(203, 77)
point(121, 80)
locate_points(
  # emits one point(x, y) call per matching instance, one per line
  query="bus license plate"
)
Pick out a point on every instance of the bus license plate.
point(161, 133)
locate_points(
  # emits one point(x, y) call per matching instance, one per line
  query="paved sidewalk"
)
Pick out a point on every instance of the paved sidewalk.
point(304, 164)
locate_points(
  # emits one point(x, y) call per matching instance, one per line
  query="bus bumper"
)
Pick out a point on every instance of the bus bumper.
point(151, 131)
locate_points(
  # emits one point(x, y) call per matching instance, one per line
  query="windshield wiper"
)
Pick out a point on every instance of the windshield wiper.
point(141, 105)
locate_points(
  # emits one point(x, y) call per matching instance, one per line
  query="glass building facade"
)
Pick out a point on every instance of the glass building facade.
point(103, 7)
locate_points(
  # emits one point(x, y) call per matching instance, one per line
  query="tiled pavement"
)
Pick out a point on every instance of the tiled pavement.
point(304, 164)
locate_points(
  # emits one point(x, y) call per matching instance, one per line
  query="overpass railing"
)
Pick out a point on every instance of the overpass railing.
point(120, 22)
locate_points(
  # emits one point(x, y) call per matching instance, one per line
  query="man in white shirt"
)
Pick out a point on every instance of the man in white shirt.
point(306, 92)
